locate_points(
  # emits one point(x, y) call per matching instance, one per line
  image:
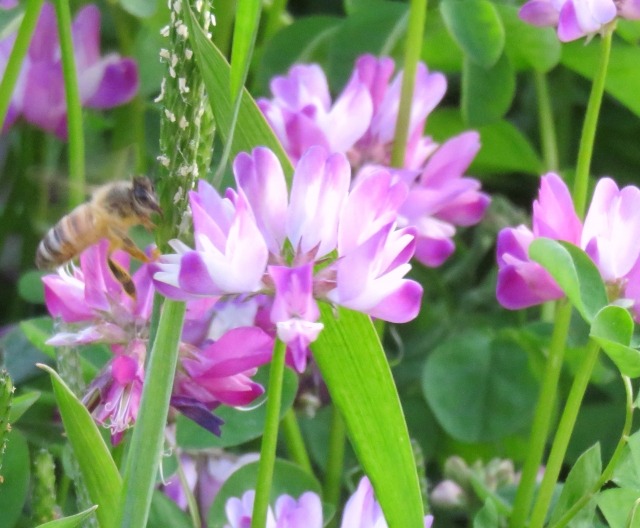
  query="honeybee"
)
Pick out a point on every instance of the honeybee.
point(112, 210)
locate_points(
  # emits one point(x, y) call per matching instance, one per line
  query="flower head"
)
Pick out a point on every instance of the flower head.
point(103, 81)
point(298, 247)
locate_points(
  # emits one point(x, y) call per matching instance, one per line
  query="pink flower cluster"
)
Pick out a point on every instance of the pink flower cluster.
point(39, 97)
point(361, 511)
point(578, 18)
point(361, 124)
point(320, 241)
point(608, 235)
point(216, 361)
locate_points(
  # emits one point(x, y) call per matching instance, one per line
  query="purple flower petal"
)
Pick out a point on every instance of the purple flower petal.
point(197, 412)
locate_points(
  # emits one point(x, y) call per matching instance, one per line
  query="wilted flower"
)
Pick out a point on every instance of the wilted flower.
point(361, 124)
point(220, 348)
point(577, 18)
point(318, 242)
point(39, 96)
point(608, 236)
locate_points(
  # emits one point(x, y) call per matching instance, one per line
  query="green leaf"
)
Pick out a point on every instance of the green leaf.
point(476, 26)
point(240, 426)
point(10, 20)
point(288, 478)
point(357, 374)
point(21, 404)
point(619, 83)
point(487, 93)
point(70, 522)
point(164, 512)
point(244, 38)
point(376, 31)
point(627, 471)
point(37, 331)
point(575, 273)
point(100, 473)
point(487, 516)
point(619, 506)
point(527, 46)
point(139, 8)
point(582, 477)
point(439, 50)
point(15, 484)
point(480, 388)
point(348, 351)
point(304, 41)
point(30, 287)
point(612, 329)
point(252, 129)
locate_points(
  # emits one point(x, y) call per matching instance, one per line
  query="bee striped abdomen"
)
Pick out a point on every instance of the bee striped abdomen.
point(69, 237)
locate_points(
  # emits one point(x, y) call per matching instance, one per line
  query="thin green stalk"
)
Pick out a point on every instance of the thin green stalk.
point(563, 435)
point(611, 466)
point(589, 126)
point(413, 47)
point(542, 416)
point(295, 442)
point(335, 460)
point(74, 107)
point(148, 435)
point(20, 47)
point(270, 437)
point(548, 138)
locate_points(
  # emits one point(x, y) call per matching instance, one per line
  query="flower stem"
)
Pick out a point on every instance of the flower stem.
point(589, 126)
point(295, 442)
point(146, 443)
point(542, 416)
point(20, 47)
point(563, 435)
point(74, 107)
point(335, 461)
point(613, 461)
point(413, 47)
point(270, 437)
point(546, 124)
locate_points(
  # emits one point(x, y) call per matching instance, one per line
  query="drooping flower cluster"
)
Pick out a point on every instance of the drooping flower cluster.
point(321, 241)
point(361, 511)
point(218, 354)
point(608, 235)
point(39, 96)
point(361, 124)
point(578, 18)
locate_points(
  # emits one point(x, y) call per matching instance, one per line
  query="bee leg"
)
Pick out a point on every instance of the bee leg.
point(123, 278)
point(128, 245)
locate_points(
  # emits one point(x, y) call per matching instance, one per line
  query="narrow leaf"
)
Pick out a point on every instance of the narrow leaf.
point(21, 404)
point(476, 27)
point(69, 522)
point(574, 272)
point(612, 329)
point(100, 473)
point(37, 331)
point(244, 37)
point(355, 369)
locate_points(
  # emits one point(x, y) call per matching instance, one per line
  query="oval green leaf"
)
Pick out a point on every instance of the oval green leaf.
point(480, 388)
point(139, 8)
point(100, 473)
point(612, 329)
point(575, 273)
point(477, 28)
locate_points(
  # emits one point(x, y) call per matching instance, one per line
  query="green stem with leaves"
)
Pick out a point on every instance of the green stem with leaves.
point(148, 434)
point(270, 437)
point(20, 47)
point(563, 435)
point(413, 47)
point(542, 416)
point(74, 106)
point(611, 466)
point(585, 153)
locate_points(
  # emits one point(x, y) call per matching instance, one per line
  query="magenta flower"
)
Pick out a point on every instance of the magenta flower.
point(608, 236)
point(219, 352)
point(103, 81)
point(322, 242)
point(577, 18)
point(361, 124)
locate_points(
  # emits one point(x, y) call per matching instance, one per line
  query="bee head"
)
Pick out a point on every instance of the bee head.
point(145, 200)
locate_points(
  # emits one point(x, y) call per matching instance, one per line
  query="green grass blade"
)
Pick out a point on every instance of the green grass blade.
point(244, 38)
point(102, 480)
